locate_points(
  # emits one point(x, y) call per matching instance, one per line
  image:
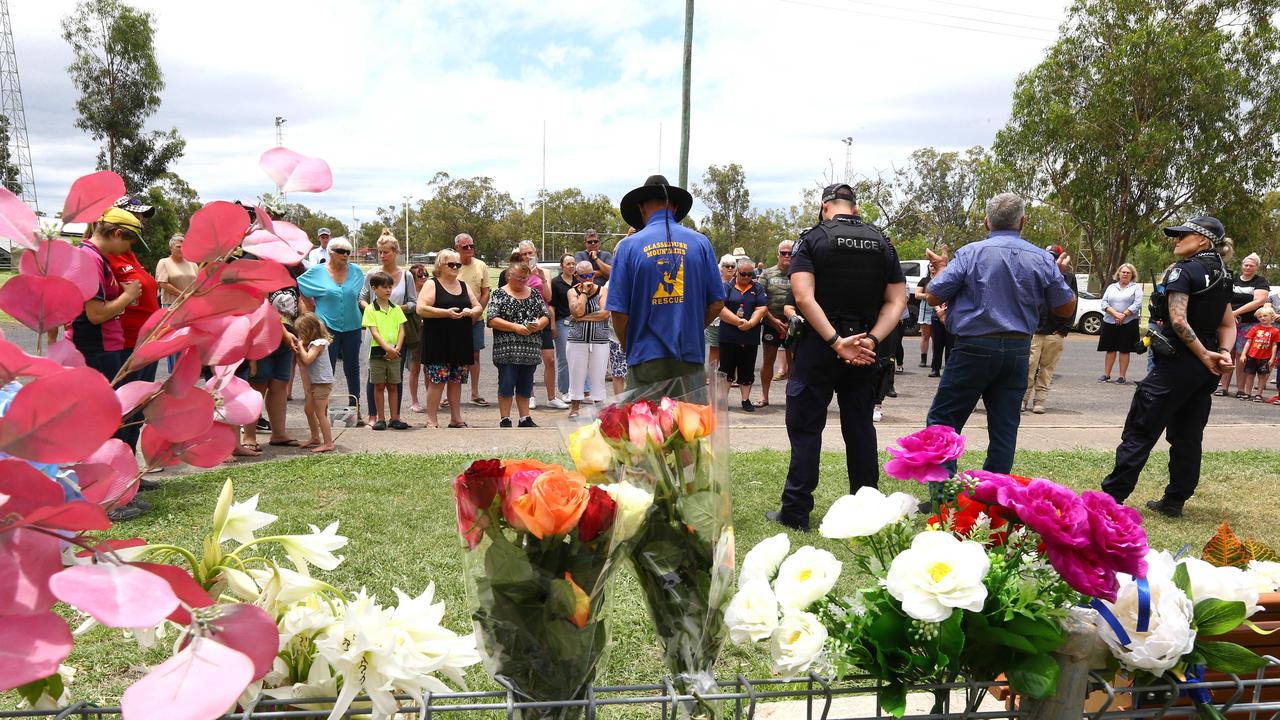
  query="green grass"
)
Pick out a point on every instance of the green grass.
point(397, 511)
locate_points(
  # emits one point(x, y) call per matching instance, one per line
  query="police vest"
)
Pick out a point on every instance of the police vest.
point(1204, 306)
point(849, 269)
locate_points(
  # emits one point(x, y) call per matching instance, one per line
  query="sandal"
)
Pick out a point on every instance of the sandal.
point(762, 403)
point(1242, 395)
point(1258, 399)
point(1220, 392)
point(479, 401)
point(288, 442)
point(458, 425)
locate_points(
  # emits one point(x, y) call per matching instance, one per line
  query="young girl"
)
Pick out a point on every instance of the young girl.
point(313, 341)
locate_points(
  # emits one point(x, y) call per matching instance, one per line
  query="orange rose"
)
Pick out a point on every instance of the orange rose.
point(694, 421)
point(581, 604)
point(554, 502)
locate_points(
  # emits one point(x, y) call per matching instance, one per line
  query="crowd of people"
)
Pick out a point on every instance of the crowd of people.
point(827, 318)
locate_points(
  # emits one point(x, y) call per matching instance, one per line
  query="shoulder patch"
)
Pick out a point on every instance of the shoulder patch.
point(1174, 274)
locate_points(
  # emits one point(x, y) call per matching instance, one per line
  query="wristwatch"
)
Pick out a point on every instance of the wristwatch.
point(875, 341)
point(834, 337)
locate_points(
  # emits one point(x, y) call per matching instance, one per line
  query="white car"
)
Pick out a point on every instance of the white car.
point(1089, 313)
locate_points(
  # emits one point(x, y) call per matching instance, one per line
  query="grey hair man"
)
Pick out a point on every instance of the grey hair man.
point(475, 273)
point(601, 260)
point(320, 254)
point(991, 293)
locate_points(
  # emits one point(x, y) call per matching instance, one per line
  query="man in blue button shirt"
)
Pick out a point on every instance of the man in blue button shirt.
point(993, 291)
point(665, 287)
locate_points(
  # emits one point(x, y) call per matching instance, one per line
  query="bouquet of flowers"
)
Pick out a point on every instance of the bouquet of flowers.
point(683, 550)
point(540, 547)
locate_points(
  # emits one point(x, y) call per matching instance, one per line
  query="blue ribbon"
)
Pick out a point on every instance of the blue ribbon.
point(1111, 620)
point(1199, 696)
point(1144, 605)
point(1181, 550)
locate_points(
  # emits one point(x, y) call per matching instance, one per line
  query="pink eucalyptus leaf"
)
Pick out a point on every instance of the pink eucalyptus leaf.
point(208, 450)
point(27, 560)
point(168, 344)
point(23, 490)
point(250, 630)
point(179, 419)
point(157, 451)
point(59, 258)
point(265, 332)
point(263, 217)
point(186, 373)
point(121, 596)
point(215, 230)
point(295, 172)
point(133, 394)
point(185, 587)
point(200, 682)
point(109, 546)
point(18, 222)
point(97, 482)
point(41, 302)
point(241, 404)
point(222, 302)
point(31, 648)
point(64, 353)
point(271, 246)
point(15, 363)
point(77, 515)
point(228, 346)
point(60, 418)
point(91, 195)
point(263, 275)
point(118, 455)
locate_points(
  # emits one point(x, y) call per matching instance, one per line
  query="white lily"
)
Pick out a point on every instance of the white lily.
point(243, 518)
point(314, 549)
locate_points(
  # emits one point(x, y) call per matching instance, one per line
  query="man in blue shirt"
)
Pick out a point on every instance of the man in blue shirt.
point(992, 292)
point(665, 286)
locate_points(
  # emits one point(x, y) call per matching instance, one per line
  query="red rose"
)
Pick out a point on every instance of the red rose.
point(598, 516)
point(474, 491)
point(613, 422)
point(964, 512)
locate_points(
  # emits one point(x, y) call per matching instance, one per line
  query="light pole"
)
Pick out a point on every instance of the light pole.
point(407, 198)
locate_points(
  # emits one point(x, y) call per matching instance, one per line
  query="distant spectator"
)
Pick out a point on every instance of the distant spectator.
point(271, 375)
point(334, 286)
point(319, 255)
point(728, 264)
point(312, 340)
point(560, 286)
point(403, 293)
point(448, 308)
point(1260, 352)
point(1121, 306)
point(540, 281)
point(517, 315)
point(601, 260)
point(1248, 293)
point(745, 307)
point(475, 273)
point(418, 272)
point(174, 274)
point(386, 322)
point(1046, 348)
point(588, 336)
point(777, 284)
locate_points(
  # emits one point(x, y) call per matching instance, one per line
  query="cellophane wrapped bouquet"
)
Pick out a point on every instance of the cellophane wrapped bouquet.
point(673, 446)
point(540, 545)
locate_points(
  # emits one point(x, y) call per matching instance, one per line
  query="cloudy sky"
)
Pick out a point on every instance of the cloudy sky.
point(390, 92)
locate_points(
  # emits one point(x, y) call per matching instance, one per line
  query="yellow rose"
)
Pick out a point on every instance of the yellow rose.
point(590, 453)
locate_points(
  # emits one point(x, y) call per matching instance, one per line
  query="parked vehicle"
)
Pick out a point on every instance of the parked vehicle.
point(1089, 313)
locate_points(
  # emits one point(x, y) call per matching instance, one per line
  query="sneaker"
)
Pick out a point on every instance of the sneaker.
point(264, 424)
point(124, 512)
point(900, 369)
point(776, 517)
point(527, 421)
point(1120, 381)
point(1104, 378)
point(1038, 409)
point(557, 403)
point(876, 415)
point(533, 404)
point(140, 503)
point(145, 485)
point(747, 406)
point(505, 422)
point(398, 425)
point(1165, 507)
point(565, 397)
point(935, 373)
point(380, 425)
point(892, 393)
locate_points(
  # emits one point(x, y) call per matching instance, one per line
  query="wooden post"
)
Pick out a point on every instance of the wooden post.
point(1082, 652)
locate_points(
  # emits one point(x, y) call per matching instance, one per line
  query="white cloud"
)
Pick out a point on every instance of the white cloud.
point(390, 92)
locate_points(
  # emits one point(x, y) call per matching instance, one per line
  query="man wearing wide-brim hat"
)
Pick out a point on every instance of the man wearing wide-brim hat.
point(665, 287)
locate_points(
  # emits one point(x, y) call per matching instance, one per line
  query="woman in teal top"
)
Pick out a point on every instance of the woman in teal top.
point(334, 287)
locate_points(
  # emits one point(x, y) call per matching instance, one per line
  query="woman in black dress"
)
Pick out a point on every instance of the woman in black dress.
point(448, 308)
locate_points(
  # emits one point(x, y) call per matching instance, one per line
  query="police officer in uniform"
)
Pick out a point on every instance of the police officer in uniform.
point(849, 287)
point(1191, 351)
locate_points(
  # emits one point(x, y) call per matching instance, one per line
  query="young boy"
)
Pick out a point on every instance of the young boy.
point(1259, 351)
point(385, 321)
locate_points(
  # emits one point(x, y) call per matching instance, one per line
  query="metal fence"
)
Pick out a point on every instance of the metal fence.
point(812, 697)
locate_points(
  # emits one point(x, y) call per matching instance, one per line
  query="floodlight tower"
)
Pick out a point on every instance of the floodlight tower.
point(11, 107)
point(848, 159)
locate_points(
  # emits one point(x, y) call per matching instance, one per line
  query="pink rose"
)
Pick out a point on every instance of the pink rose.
point(1084, 571)
point(994, 488)
point(920, 455)
point(667, 416)
point(1116, 533)
point(643, 423)
point(1054, 512)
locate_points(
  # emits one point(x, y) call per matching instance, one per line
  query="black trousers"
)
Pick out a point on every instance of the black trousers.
point(941, 342)
point(816, 374)
point(1175, 399)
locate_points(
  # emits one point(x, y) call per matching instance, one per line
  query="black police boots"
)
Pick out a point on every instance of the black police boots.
point(775, 516)
point(1166, 507)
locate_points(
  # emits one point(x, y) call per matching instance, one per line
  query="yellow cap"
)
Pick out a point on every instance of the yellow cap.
point(124, 219)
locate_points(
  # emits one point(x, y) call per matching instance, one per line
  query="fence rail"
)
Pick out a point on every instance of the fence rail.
point(1254, 698)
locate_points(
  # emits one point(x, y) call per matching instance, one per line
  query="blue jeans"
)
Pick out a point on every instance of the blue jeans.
point(515, 380)
point(346, 346)
point(131, 433)
point(562, 356)
point(995, 370)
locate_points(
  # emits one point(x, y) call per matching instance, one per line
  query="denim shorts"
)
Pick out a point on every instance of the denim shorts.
point(276, 366)
point(515, 380)
point(477, 336)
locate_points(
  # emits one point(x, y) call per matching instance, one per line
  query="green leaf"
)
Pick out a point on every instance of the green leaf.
point(889, 630)
point(1037, 629)
point(1036, 675)
point(1229, 657)
point(560, 600)
point(700, 510)
point(1214, 617)
point(509, 572)
point(893, 698)
point(1182, 578)
point(32, 691)
point(1003, 637)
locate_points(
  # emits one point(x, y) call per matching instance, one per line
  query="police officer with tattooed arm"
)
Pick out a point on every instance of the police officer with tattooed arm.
point(849, 286)
point(1192, 349)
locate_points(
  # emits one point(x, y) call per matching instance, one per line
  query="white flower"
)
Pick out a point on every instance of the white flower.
point(865, 513)
point(316, 548)
point(762, 561)
point(752, 615)
point(241, 584)
point(937, 574)
point(805, 577)
point(1223, 583)
point(1265, 575)
point(796, 643)
point(1170, 635)
point(242, 519)
point(633, 506)
point(282, 587)
point(307, 618)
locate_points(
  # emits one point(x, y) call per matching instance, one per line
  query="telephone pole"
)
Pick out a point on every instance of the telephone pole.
point(684, 94)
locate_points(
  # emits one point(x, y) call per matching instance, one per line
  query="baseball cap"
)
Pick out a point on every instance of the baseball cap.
point(323, 231)
point(838, 191)
point(126, 220)
point(135, 206)
point(1056, 250)
point(1205, 225)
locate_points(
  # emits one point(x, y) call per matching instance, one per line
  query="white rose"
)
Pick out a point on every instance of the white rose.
point(937, 574)
point(1222, 583)
point(1169, 636)
point(805, 577)
point(1265, 575)
point(752, 614)
point(865, 513)
point(796, 643)
point(763, 560)
point(633, 506)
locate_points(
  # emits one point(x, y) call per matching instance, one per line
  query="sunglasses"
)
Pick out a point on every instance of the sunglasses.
point(466, 247)
point(586, 276)
point(784, 253)
point(341, 252)
point(453, 265)
point(746, 274)
point(593, 242)
point(727, 267)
